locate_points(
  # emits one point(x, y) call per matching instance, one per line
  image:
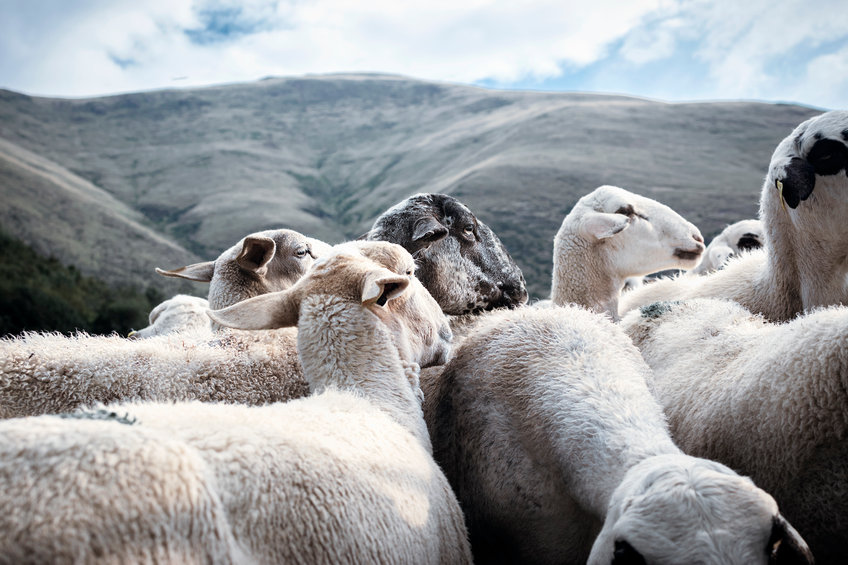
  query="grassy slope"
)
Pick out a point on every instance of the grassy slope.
point(325, 155)
point(64, 216)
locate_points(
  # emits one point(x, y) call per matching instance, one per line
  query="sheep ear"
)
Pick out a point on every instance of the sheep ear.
point(256, 253)
point(427, 231)
point(264, 312)
point(601, 225)
point(380, 286)
point(798, 182)
point(786, 546)
point(200, 272)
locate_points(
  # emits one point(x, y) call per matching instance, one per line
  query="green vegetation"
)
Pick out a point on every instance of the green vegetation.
point(39, 293)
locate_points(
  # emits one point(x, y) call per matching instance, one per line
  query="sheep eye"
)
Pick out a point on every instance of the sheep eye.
point(469, 229)
point(626, 210)
point(301, 253)
point(409, 272)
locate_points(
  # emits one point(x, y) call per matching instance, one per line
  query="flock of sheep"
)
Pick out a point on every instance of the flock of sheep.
point(396, 400)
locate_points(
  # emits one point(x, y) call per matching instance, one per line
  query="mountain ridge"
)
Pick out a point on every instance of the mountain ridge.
point(325, 154)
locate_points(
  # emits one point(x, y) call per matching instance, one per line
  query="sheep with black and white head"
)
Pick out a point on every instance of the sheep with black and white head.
point(803, 206)
point(739, 237)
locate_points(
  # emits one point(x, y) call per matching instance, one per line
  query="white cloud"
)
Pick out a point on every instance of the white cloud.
point(653, 42)
point(75, 51)
point(747, 44)
point(56, 47)
point(826, 81)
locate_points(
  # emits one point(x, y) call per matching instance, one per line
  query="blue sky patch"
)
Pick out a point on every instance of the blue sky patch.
point(123, 62)
point(680, 76)
point(223, 24)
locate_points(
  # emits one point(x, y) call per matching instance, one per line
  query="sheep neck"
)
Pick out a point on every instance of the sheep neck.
point(344, 346)
point(807, 260)
point(604, 468)
point(582, 276)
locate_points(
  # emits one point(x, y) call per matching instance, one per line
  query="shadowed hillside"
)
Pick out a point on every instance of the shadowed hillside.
point(38, 292)
point(325, 155)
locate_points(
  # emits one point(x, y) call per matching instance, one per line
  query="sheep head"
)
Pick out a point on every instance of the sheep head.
point(377, 276)
point(816, 148)
point(636, 235)
point(262, 262)
point(460, 260)
point(679, 509)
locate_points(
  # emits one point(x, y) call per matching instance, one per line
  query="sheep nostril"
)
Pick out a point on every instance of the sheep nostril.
point(697, 237)
point(689, 254)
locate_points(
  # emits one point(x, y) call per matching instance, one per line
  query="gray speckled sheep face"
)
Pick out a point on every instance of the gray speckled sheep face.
point(460, 260)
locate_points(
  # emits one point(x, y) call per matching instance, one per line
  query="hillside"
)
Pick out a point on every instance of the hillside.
point(63, 215)
point(39, 293)
point(188, 172)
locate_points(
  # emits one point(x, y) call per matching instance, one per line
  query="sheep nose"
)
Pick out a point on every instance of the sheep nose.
point(515, 293)
point(697, 237)
point(691, 253)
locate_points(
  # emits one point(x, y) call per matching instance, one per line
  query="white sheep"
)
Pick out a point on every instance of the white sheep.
point(768, 400)
point(612, 234)
point(180, 313)
point(803, 207)
point(736, 238)
point(343, 476)
point(52, 373)
point(544, 424)
point(262, 262)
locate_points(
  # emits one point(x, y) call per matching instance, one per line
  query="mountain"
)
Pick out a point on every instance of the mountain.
point(125, 183)
point(63, 215)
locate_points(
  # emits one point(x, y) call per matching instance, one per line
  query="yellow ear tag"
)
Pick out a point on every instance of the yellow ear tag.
point(780, 191)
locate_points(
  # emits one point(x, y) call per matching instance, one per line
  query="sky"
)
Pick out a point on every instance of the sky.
point(769, 50)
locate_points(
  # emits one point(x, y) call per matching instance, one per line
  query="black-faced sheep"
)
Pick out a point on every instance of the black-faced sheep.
point(460, 260)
